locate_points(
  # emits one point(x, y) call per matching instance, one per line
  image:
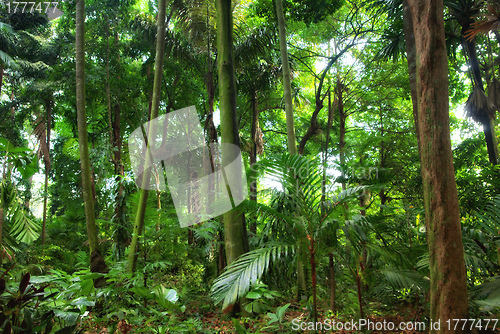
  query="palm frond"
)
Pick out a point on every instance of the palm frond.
point(245, 272)
point(8, 60)
point(405, 279)
point(22, 225)
point(487, 294)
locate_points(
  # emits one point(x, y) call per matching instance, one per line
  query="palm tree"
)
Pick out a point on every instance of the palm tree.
point(478, 106)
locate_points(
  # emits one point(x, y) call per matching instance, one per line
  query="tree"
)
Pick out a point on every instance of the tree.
point(234, 221)
point(97, 263)
point(287, 81)
point(447, 266)
point(141, 210)
point(478, 106)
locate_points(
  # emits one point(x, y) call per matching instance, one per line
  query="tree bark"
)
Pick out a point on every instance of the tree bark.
point(448, 291)
point(97, 261)
point(287, 82)
point(155, 106)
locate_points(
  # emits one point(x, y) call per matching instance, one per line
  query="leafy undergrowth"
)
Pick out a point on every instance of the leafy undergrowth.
point(209, 321)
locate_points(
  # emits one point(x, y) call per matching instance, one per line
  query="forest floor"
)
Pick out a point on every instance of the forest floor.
point(216, 322)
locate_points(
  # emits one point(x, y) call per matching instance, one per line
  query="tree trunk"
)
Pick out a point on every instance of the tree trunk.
point(312, 259)
point(332, 283)
point(1, 76)
point(287, 82)
point(121, 239)
point(486, 121)
point(235, 233)
point(253, 156)
point(155, 106)
point(48, 107)
point(97, 263)
point(448, 291)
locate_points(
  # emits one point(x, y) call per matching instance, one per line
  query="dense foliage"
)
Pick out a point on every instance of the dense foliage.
point(335, 232)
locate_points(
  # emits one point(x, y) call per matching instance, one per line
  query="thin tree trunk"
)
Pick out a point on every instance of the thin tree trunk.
point(448, 291)
point(48, 107)
point(253, 156)
point(332, 283)
point(119, 178)
point(312, 258)
point(360, 299)
point(97, 263)
point(1, 77)
point(287, 82)
point(382, 193)
point(155, 106)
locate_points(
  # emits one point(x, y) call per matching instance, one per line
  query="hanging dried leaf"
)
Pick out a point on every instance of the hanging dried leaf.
point(490, 23)
point(40, 132)
point(478, 105)
point(259, 141)
point(494, 93)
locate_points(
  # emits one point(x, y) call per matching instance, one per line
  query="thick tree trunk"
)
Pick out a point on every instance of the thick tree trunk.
point(97, 261)
point(287, 81)
point(448, 291)
point(155, 106)
point(235, 233)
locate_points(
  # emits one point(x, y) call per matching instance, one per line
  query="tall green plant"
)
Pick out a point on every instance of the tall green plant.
point(141, 210)
point(20, 227)
point(312, 223)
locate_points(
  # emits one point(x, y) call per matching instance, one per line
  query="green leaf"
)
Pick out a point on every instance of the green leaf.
point(82, 301)
point(142, 291)
point(281, 311)
point(239, 327)
point(69, 317)
point(253, 295)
